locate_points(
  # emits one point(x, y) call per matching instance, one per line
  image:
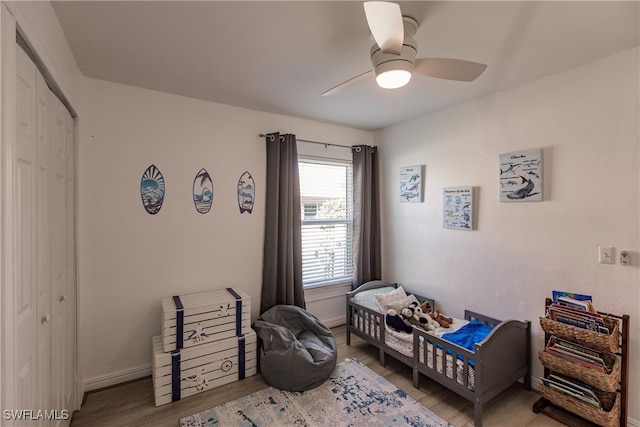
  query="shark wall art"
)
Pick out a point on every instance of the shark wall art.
point(521, 176)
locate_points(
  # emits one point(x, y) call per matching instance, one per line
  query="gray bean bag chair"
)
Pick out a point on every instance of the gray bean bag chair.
point(297, 352)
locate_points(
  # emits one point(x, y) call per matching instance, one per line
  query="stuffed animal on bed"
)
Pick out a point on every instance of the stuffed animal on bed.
point(417, 317)
point(396, 322)
point(440, 318)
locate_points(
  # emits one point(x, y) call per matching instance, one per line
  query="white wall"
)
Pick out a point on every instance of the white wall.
point(129, 259)
point(587, 122)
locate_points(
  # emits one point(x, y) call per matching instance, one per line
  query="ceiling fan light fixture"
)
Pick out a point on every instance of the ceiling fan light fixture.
point(393, 78)
point(393, 71)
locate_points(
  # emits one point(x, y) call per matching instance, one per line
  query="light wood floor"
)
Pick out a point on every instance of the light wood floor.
point(131, 404)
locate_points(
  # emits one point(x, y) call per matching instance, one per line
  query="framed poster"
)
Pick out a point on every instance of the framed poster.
point(457, 208)
point(411, 184)
point(521, 176)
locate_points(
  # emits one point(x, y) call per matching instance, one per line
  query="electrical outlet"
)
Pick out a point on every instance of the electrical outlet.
point(605, 254)
point(624, 258)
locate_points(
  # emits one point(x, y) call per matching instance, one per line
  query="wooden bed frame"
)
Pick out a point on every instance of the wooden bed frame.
point(501, 359)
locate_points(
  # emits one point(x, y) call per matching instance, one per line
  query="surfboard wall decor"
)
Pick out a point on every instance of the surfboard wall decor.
point(246, 192)
point(203, 191)
point(152, 190)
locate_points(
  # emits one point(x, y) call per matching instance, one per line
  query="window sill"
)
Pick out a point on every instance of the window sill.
point(326, 291)
point(338, 282)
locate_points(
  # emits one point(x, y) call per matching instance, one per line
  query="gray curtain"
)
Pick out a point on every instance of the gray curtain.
point(366, 216)
point(282, 261)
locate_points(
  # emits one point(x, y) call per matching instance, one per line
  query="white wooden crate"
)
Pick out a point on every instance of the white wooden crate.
point(195, 319)
point(186, 372)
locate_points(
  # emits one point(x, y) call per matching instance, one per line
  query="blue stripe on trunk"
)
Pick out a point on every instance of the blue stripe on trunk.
point(179, 322)
point(175, 375)
point(241, 357)
point(238, 311)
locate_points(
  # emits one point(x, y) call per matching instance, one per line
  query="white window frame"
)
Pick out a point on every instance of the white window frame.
point(348, 222)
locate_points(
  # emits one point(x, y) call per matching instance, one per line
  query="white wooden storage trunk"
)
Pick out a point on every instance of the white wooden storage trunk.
point(208, 316)
point(182, 373)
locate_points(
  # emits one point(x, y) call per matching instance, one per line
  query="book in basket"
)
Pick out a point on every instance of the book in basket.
point(576, 353)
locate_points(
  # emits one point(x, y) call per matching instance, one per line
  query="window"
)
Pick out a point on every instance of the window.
point(326, 200)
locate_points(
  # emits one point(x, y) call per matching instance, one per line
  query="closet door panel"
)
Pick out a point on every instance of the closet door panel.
point(59, 300)
point(25, 243)
point(44, 225)
point(70, 305)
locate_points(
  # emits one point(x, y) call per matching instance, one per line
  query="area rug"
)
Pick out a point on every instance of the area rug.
point(354, 395)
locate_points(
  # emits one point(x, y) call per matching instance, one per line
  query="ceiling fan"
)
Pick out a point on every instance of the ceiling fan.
point(393, 54)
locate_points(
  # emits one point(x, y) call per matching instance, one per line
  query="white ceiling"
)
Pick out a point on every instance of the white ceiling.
point(280, 56)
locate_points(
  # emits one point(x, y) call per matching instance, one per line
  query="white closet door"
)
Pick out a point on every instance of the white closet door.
point(45, 248)
point(70, 305)
point(25, 244)
point(43, 237)
point(61, 331)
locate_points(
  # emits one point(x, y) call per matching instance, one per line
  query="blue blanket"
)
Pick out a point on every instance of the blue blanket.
point(467, 337)
point(470, 334)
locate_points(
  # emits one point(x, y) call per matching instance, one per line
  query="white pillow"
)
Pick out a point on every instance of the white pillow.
point(398, 305)
point(389, 297)
point(367, 298)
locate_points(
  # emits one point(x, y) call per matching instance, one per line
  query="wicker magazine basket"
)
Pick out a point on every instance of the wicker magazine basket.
point(595, 340)
point(609, 416)
point(602, 381)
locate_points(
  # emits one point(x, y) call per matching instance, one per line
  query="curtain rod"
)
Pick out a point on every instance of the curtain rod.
point(326, 144)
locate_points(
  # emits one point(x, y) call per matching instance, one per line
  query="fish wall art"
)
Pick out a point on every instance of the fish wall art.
point(411, 184)
point(152, 190)
point(246, 193)
point(203, 191)
point(457, 208)
point(521, 176)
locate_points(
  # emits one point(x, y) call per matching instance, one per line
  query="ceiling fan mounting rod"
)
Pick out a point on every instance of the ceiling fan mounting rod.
point(410, 26)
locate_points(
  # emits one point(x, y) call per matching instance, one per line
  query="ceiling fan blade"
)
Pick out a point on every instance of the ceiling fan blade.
point(449, 69)
point(347, 83)
point(385, 24)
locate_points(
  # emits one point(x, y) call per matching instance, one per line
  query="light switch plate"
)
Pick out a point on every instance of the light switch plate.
point(605, 255)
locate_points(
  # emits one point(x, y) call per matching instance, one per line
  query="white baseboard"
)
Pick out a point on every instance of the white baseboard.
point(632, 423)
point(108, 380)
point(336, 321)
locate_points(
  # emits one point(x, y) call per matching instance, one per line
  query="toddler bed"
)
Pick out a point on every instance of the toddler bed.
point(475, 368)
